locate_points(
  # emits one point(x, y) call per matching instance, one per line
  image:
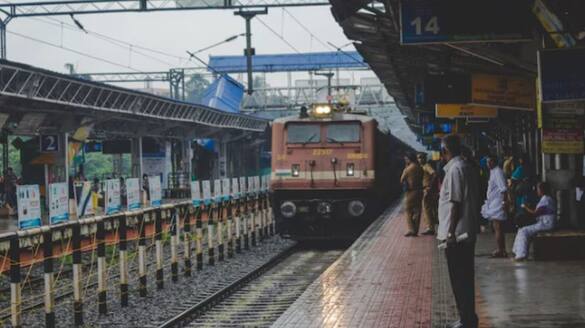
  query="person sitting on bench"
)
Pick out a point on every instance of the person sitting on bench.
point(545, 214)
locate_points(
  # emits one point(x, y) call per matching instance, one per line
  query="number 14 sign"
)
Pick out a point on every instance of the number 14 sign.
point(441, 21)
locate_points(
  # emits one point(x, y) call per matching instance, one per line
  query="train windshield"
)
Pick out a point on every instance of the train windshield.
point(300, 133)
point(344, 132)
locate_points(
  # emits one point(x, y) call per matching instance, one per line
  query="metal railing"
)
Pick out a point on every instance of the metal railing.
point(284, 98)
point(89, 258)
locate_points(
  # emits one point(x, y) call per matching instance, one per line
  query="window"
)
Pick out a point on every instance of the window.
point(303, 133)
point(345, 132)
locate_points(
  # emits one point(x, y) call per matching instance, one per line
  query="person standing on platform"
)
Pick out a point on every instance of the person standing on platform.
point(458, 226)
point(494, 208)
point(411, 181)
point(429, 200)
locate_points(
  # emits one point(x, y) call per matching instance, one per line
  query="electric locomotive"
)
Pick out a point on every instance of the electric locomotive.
point(332, 172)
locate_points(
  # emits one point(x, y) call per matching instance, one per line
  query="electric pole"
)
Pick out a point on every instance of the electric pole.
point(329, 76)
point(248, 15)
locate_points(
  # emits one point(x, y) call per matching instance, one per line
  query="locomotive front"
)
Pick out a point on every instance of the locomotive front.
point(323, 173)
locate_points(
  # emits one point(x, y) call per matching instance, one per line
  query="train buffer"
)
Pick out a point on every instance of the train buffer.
point(387, 280)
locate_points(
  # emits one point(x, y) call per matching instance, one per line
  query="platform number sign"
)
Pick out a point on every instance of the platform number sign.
point(49, 143)
point(438, 21)
point(429, 25)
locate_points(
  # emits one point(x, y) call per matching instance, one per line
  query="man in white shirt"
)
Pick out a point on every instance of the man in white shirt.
point(459, 217)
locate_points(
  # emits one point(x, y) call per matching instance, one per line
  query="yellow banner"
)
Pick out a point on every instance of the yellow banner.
point(503, 91)
point(465, 111)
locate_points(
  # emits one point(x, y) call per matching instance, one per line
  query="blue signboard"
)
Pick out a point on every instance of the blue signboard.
point(49, 143)
point(562, 74)
point(439, 21)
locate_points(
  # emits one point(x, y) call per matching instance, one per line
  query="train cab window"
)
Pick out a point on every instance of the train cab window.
point(303, 133)
point(346, 132)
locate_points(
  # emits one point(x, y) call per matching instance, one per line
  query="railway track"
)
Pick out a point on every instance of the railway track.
point(257, 299)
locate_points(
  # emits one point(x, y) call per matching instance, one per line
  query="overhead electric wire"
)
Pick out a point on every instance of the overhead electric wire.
point(116, 42)
point(74, 51)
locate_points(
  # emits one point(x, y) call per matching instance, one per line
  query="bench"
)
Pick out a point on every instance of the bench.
point(559, 245)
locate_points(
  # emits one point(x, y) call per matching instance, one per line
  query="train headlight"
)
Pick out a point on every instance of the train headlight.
point(356, 208)
point(322, 110)
point(295, 170)
point(288, 209)
point(350, 169)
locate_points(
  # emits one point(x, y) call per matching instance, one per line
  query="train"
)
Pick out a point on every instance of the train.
point(333, 172)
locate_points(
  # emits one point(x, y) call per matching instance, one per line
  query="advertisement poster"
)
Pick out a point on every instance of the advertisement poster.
point(133, 193)
point(225, 189)
point(58, 203)
point(264, 183)
point(206, 185)
point(29, 206)
point(235, 188)
point(195, 193)
point(217, 190)
point(256, 184)
point(83, 195)
point(243, 187)
point(155, 190)
point(113, 202)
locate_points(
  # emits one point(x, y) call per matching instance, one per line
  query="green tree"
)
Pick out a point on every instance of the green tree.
point(195, 87)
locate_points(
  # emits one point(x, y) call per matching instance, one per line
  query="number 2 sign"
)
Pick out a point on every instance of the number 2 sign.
point(49, 143)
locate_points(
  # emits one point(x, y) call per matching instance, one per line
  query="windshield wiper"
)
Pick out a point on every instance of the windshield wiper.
point(334, 140)
point(310, 139)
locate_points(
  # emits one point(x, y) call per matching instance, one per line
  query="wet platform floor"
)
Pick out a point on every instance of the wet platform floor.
point(387, 280)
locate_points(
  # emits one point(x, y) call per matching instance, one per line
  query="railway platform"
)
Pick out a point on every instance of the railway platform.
point(387, 280)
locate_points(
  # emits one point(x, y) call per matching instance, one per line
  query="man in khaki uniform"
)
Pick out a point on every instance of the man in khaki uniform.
point(430, 195)
point(411, 181)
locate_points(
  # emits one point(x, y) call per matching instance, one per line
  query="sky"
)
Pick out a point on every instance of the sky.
point(158, 41)
point(170, 32)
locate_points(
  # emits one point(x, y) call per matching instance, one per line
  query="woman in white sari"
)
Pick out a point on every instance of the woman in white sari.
point(545, 213)
point(494, 208)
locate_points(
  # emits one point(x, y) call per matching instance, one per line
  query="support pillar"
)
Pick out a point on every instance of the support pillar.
point(77, 274)
point(136, 158)
point(49, 279)
point(123, 249)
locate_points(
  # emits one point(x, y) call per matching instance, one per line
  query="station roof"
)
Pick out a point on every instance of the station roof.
point(375, 30)
point(288, 62)
point(60, 102)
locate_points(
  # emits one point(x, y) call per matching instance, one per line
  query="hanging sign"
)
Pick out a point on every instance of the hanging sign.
point(436, 21)
point(206, 185)
point(235, 188)
point(83, 195)
point(562, 74)
point(113, 202)
point(155, 190)
point(29, 206)
point(503, 91)
point(133, 193)
point(49, 143)
point(464, 111)
point(225, 189)
point(195, 193)
point(58, 203)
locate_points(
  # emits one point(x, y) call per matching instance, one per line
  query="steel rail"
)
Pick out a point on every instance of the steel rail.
point(189, 314)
